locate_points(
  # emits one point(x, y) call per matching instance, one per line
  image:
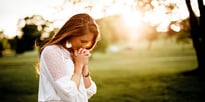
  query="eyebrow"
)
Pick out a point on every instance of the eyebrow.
point(84, 40)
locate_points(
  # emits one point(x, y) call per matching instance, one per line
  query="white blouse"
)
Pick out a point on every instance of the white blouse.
point(55, 84)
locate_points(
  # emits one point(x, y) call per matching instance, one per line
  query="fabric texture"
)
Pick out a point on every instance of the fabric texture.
point(55, 84)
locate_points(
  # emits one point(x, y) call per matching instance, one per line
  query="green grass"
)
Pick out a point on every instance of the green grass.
point(136, 75)
point(19, 83)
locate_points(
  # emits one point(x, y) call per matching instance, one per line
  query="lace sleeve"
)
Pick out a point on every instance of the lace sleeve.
point(92, 89)
point(56, 66)
point(53, 60)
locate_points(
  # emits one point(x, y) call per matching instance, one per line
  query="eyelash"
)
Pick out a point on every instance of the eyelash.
point(84, 42)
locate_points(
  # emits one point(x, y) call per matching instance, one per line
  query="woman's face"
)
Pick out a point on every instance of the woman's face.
point(84, 41)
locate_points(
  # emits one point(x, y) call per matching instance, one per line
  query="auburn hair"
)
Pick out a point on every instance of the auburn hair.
point(77, 25)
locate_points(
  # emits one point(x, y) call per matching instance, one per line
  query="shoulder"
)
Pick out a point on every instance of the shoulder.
point(51, 49)
point(55, 50)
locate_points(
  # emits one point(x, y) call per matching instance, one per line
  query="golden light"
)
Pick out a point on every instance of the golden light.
point(175, 27)
point(132, 21)
point(60, 10)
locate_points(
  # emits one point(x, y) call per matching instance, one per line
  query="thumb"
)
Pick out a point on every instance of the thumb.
point(75, 52)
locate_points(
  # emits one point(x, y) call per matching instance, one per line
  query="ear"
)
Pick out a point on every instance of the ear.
point(68, 44)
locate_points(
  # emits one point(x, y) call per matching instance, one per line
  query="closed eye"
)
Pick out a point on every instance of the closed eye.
point(84, 41)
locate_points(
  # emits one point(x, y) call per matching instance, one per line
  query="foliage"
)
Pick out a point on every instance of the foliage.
point(112, 28)
point(1, 49)
point(183, 37)
point(111, 32)
point(148, 32)
point(34, 28)
point(30, 34)
point(3, 43)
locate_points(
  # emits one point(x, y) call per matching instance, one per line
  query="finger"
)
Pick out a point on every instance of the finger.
point(85, 51)
point(88, 54)
point(80, 51)
point(75, 52)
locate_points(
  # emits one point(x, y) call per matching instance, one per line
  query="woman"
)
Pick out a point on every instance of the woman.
point(64, 73)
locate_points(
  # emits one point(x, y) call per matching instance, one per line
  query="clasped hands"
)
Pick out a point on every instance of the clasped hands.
point(82, 51)
point(81, 58)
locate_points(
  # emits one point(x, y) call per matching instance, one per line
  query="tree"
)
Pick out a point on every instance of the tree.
point(183, 36)
point(4, 43)
point(1, 43)
point(198, 35)
point(150, 35)
point(108, 31)
point(33, 29)
point(197, 25)
point(30, 34)
point(18, 45)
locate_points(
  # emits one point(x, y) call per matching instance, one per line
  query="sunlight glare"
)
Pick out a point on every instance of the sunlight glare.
point(132, 19)
point(175, 27)
point(59, 11)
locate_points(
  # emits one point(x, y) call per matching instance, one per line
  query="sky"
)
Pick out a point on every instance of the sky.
point(13, 10)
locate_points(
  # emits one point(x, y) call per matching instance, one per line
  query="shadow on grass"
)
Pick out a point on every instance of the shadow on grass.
point(187, 87)
point(198, 72)
point(18, 93)
point(152, 88)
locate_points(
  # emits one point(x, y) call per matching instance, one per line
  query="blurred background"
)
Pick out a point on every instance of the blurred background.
point(150, 50)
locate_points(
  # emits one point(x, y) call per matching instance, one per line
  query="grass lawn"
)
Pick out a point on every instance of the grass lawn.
point(135, 75)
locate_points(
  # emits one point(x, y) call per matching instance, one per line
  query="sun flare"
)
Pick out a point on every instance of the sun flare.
point(60, 10)
point(132, 19)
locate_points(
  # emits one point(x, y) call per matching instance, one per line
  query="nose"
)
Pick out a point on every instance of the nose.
point(84, 46)
point(87, 45)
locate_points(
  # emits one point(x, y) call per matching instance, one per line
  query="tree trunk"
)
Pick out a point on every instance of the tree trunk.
point(202, 32)
point(197, 34)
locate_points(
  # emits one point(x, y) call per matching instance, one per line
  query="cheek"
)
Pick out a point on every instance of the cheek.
point(76, 45)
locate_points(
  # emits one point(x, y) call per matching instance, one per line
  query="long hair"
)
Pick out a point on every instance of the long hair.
point(77, 25)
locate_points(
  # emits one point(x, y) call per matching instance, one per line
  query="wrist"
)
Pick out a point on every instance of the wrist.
point(87, 75)
point(78, 69)
point(79, 65)
point(85, 70)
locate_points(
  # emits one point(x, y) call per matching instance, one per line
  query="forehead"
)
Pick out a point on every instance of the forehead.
point(87, 36)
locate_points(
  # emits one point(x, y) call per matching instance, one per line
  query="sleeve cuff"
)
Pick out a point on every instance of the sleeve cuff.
point(92, 89)
point(67, 87)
